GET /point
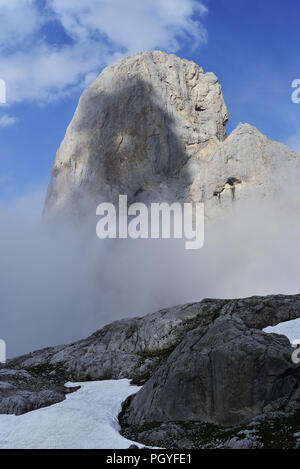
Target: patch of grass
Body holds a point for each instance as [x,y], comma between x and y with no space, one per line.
[44,371]
[268,434]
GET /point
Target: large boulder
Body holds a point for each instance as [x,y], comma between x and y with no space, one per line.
[224,374]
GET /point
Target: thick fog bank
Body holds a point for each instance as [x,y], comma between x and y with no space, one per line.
[59,282]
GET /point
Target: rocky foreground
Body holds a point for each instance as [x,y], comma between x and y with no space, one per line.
[211,377]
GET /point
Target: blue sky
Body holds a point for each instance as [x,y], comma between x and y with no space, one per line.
[51,49]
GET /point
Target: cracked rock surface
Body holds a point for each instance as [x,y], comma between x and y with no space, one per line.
[134,130]
[224,374]
[136,348]
[21,391]
[152,126]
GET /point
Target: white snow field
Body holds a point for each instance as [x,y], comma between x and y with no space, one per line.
[290,328]
[87,419]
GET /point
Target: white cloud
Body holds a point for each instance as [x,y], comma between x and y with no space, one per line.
[7,121]
[19,22]
[98,30]
[132,25]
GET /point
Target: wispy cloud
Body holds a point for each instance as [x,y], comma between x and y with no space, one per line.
[92,33]
[7,121]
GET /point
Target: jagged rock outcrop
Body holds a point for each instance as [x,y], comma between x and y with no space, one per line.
[136,348]
[152,126]
[21,391]
[247,166]
[224,374]
[129,348]
[269,431]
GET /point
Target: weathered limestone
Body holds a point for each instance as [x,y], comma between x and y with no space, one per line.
[136,348]
[247,166]
[21,391]
[152,126]
[224,374]
[134,130]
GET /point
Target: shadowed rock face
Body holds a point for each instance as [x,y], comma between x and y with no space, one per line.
[225,374]
[134,130]
[152,126]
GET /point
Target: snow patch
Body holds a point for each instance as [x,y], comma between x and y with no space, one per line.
[291,329]
[87,419]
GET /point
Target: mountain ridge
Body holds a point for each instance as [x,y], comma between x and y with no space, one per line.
[152,126]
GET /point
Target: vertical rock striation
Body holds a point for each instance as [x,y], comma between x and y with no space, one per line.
[134,130]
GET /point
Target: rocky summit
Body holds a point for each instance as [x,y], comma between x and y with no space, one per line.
[152,126]
[135,129]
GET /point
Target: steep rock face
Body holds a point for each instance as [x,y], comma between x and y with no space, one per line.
[246,166]
[225,374]
[135,128]
[152,126]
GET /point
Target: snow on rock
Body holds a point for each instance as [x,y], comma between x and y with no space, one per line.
[88,418]
[291,329]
